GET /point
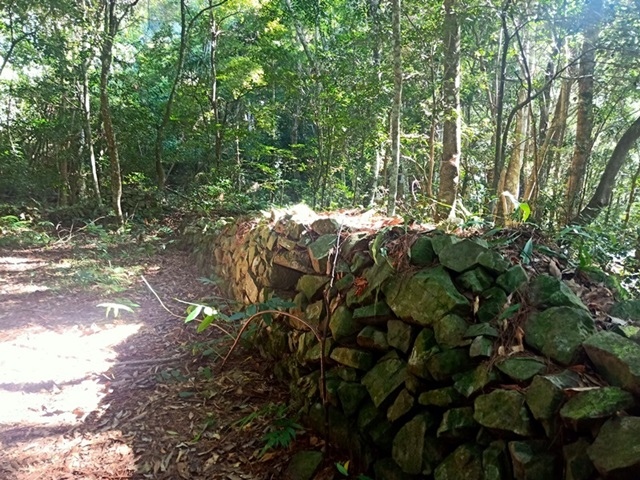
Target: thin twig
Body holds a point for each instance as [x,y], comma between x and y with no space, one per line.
[223,330]
[279,312]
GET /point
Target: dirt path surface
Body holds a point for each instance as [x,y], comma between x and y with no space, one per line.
[138,396]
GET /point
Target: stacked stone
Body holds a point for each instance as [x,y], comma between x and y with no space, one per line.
[426,374]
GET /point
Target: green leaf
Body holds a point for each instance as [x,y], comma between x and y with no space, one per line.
[527,252]
[208,320]
[193,314]
[186,394]
[509,312]
[343,469]
[525,211]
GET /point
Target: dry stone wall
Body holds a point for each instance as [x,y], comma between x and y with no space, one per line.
[438,357]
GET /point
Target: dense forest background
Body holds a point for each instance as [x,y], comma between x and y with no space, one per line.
[479,111]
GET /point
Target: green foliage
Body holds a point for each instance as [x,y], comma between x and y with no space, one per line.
[281,430]
[23,232]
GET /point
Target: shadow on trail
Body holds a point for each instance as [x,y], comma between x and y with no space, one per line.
[132,397]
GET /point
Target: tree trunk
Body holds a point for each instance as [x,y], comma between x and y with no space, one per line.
[162,127]
[509,187]
[584,122]
[396,107]
[451,128]
[553,140]
[106,56]
[500,84]
[602,195]
[632,195]
[88,151]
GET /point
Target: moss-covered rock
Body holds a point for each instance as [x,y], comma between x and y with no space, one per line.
[304,465]
[546,393]
[481,347]
[450,331]
[372,338]
[577,464]
[399,335]
[443,365]
[375,313]
[492,302]
[616,450]
[470,382]
[320,251]
[495,464]
[311,285]
[421,252]
[546,291]
[627,309]
[384,378]
[465,463]
[440,397]
[351,357]
[458,423]
[513,279]
[424,348]
[425,297]
[408,444]
[503,410]
[461,256]
[532,460]
[351,396]
[586,408]
[342,324]
[476,280]
[521,369]
[558,333]
[401,406]
[615,358]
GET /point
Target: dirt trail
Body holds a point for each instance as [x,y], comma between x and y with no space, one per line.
[84,396]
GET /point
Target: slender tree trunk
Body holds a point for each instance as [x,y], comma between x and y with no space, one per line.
[509,187]
[632,195]
[602,196]
[88,151]
[505,41]
[584,122]
[451,132]
[396,107]
[106,56]
[552,142]
[162,127]
[214,101]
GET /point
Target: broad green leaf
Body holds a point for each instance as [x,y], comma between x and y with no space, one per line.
[193,314]
[527,252]
[509,312]
[208,320]
[525,211]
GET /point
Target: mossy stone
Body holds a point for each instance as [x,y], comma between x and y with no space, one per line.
[503,410]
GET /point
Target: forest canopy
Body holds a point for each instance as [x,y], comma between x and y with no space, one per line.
[487,110]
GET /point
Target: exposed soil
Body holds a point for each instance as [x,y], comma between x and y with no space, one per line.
[138,396]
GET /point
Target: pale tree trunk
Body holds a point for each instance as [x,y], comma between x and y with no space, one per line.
[554,139]
[396,107]
[584,121]
[602,196]
[87,146]
[509,186]
[451,128]
[88,151]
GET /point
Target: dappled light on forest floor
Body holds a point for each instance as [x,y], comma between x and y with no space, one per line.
[37,364]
